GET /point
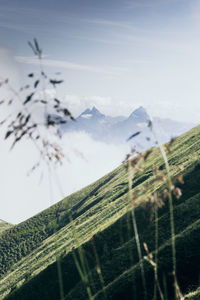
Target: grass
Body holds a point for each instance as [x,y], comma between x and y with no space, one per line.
[101,212]
[195,295]
[4,226]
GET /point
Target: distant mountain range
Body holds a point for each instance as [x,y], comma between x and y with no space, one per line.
[118,129]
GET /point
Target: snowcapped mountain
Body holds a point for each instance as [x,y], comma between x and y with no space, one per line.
[118,129]
[97,117]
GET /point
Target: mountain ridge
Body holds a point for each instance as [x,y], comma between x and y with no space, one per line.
[116,130]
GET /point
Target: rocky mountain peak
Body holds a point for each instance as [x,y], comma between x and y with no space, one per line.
[139,113]
[91,112]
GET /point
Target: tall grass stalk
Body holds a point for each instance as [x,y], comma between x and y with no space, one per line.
[82,265]
[157,285]
[171,211]
[156,280]
[165,286]
[156,251]
[58,262]
[83,275]
[59,270]
[130,196]
[128,220]
[99,268]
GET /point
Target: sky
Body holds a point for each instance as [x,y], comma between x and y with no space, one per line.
[114,54]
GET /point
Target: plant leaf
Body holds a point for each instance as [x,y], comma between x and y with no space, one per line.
[28,98]
[36,83]
[8,133]
[133,135]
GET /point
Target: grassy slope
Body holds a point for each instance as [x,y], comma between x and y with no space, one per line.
[4,226]
[100,210]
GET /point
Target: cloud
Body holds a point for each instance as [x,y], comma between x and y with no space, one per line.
[69,65]
[173,109]
[9,67]
[9,70]
[146,4]
[97,40]
[86,161]
[195,11]
[107,105]
[111,23]
[138,61]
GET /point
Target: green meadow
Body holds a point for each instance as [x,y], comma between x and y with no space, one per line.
[4,225]
[85,246]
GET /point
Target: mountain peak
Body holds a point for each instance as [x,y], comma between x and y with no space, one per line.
[140,112]
[94,110]
[91,112]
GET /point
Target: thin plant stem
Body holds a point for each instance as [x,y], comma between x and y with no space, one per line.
[60,278]
[171,211]
[156,250]
[156,257]
[81,269]
[165,287]
[59,271]
[99,268]
[130,175]
[82,266]
[129,235]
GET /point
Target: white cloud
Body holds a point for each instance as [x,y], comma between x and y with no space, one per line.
[185,111]
[163,108]
[107,105]
[9,67]
[98,40]
[22,196]
[69,65]
[195,11]
[9,70]
[175,110]
[148,4]
[137,61]
[15,27]
[105,22]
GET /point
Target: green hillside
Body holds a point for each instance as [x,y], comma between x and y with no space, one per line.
[102,214]
[4,226]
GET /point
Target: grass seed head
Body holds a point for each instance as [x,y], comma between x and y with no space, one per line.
[177,192]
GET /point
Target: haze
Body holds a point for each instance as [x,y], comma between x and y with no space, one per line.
[114,54]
